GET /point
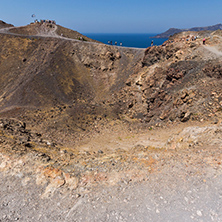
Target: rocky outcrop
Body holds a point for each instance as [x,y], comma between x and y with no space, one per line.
[213,70]
[174,85]
[158,53]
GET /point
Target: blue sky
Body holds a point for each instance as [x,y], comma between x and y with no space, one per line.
[122,16]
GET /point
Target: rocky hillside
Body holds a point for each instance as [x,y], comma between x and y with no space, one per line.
[178,81]
[55,77]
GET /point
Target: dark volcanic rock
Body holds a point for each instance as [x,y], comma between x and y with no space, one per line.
[213,70]
[157,53]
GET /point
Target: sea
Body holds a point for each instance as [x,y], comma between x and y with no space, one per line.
[127,40]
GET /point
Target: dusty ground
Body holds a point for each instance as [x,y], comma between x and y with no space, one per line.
[170,174]
[90,132]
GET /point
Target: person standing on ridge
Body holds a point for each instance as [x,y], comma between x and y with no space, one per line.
[151,43]
[204,41]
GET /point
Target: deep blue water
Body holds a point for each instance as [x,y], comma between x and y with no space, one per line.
[127,40]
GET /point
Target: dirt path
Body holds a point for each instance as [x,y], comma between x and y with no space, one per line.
[213,50]
[6,30]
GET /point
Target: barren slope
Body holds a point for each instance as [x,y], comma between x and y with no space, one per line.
[60,80]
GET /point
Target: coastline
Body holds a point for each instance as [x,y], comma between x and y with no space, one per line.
[137,40]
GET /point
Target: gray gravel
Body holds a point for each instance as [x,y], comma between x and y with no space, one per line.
[165,196]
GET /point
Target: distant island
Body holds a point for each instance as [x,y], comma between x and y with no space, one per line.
[173,31]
